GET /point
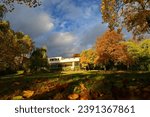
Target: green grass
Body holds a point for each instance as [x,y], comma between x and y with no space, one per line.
[99,85]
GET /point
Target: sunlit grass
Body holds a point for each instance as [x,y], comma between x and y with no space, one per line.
[20,72]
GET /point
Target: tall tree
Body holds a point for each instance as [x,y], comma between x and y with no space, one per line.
[13,47]
[133,14]
[39,59]
[110,50]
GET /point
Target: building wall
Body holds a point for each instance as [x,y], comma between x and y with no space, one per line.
[61,63]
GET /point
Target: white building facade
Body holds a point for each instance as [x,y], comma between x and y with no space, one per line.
[64,62]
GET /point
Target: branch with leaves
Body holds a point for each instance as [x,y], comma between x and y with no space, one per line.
[8,5]
[132,14]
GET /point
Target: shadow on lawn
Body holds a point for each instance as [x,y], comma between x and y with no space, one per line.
[117,85]
[59,92]
[113,86]
[127,86]
[15,86]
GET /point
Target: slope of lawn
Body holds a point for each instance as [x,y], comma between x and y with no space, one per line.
[90,85]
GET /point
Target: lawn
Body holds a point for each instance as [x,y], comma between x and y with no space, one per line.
[91,85]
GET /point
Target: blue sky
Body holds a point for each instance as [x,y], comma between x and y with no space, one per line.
[65,27]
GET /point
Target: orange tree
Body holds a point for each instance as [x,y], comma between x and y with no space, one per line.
[111,52]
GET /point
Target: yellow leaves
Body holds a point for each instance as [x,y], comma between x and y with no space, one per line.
[87,56]
[103,7]
[26,39]
[28,93]
[139,50]
[17,98]
[73,96]
[133,14]
[13,44]
[82,95]
[82,87]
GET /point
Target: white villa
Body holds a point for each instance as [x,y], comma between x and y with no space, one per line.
[64,62]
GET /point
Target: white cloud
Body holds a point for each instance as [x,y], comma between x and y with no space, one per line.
[34,22]
[61,38]
[69,9]
[60,44]
[76,26]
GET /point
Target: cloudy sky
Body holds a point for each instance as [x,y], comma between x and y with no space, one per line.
[65,27]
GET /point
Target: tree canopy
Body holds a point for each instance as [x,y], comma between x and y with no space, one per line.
[39,59]
[140,53]
[110,50]
[132,14]
[14,46]
[87,58]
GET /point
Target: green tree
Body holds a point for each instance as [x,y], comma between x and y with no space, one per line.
[87,58]
[145,56]
[39,59]
[132,14]
[140,52]
[13,47]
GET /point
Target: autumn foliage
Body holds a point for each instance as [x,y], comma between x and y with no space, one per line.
[113,52]
[87,58]
[14,46]
[110,49]
[134,15]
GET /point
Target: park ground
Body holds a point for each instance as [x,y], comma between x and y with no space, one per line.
[79,85]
